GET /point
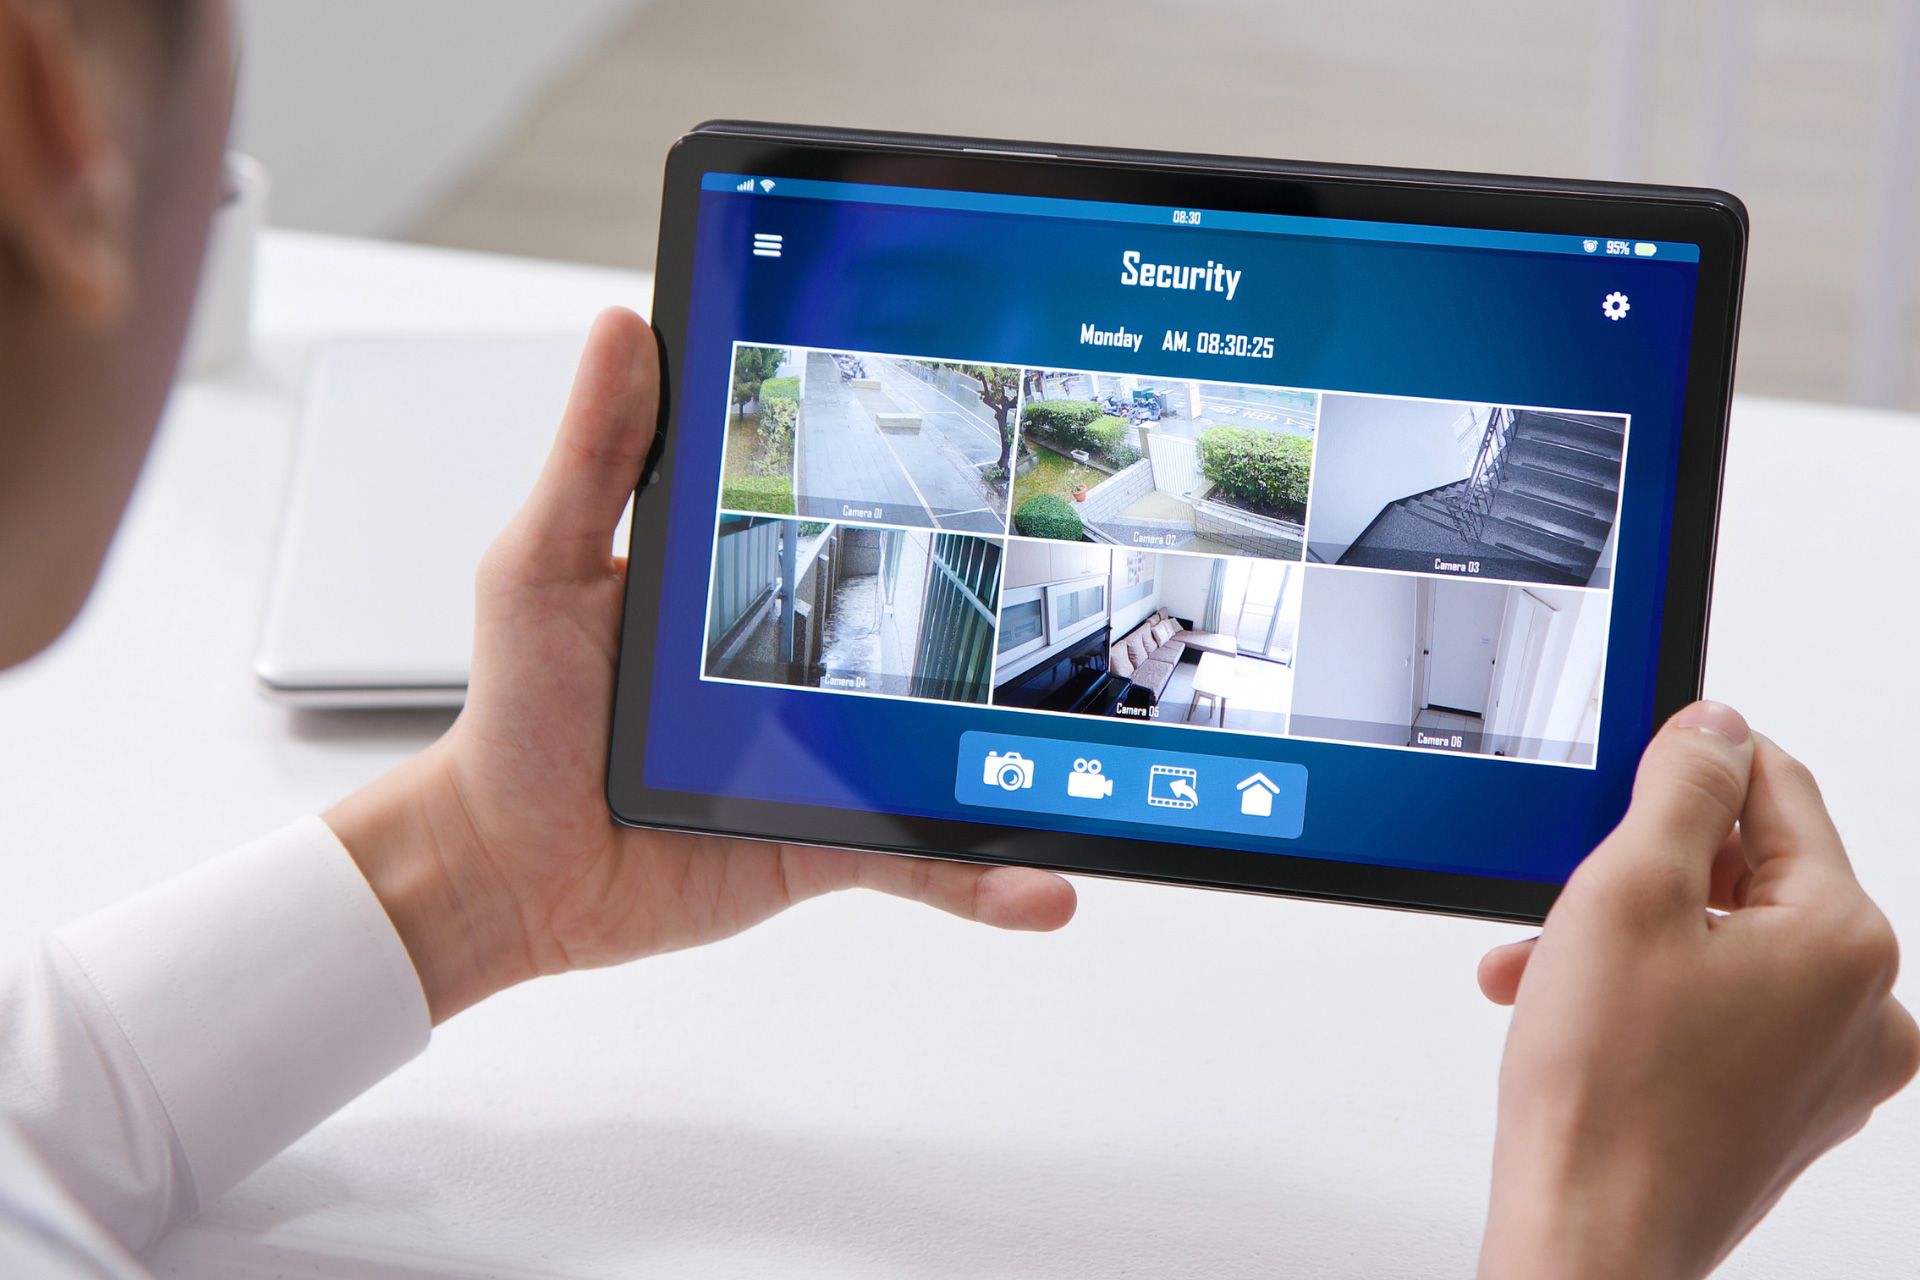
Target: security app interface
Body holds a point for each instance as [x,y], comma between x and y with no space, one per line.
[1311,536]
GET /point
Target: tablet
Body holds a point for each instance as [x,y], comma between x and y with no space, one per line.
[1305,529]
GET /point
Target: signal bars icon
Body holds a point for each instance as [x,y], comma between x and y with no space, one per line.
[765,245]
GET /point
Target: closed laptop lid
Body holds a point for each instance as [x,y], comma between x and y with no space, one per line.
[412,454]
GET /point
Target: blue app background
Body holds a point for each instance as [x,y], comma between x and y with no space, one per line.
[1347,315]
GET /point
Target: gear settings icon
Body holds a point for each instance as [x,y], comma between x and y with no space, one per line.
[1616,306]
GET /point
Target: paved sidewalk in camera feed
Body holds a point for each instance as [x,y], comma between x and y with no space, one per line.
[850,469]
[843,458]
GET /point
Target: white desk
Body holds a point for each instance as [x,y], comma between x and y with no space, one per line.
[1181,1084]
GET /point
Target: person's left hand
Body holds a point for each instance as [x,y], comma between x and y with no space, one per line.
[493,850]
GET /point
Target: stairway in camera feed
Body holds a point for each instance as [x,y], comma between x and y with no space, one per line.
[1553,503]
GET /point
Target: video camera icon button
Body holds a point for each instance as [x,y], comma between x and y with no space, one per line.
[1087,782]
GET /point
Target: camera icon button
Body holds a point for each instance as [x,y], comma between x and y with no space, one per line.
[1008,770]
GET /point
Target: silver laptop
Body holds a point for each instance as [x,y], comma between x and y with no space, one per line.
[412,453]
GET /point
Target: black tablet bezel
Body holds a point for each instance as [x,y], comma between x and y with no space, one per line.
[1713,220]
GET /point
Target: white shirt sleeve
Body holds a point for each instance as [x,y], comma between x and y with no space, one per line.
[156,1053]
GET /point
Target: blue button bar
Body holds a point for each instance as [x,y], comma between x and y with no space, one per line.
[1202,219]
[1131,784]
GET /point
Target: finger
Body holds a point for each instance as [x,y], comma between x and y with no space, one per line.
[1789,837]
[1005,897]
[1899,1050]
[1502,968]
[600,448]
[1688,794]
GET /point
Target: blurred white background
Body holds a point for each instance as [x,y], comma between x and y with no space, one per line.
[540,128]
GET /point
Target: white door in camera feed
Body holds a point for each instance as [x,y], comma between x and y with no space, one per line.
[1521,648]
[1463,629]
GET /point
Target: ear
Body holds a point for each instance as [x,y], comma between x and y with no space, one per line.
[66,189]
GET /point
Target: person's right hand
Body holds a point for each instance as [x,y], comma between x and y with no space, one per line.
[1669,1072]
[493,851]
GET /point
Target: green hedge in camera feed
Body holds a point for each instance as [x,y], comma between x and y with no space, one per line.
[772,494]
[778,418]
[1054,418]
[1079,424]
[1267,470]
[1047,515]
[1104,435]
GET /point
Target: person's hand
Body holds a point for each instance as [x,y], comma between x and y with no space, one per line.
[493,851]
[1670,1071]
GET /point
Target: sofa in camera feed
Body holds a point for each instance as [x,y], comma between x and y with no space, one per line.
[1148,655]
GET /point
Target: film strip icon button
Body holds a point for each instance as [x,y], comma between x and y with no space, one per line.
[1172,786]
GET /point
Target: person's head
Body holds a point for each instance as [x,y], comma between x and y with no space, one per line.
[113,117]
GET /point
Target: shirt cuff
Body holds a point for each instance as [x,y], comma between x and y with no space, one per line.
[262,991]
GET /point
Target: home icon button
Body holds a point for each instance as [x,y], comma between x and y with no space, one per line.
[1256,796]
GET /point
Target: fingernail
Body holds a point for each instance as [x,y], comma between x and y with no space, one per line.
[1715,717]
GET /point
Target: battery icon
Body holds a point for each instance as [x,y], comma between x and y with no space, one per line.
[1642,249]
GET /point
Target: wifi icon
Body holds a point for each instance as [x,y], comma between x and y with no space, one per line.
[766,184]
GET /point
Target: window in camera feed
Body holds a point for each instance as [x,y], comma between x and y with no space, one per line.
[853,608]
[1371,570]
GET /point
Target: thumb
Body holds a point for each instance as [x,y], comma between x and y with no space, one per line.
[1790,842]
[1689,793]
[599,451]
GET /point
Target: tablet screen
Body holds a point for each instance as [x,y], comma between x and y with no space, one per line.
[1275,533]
